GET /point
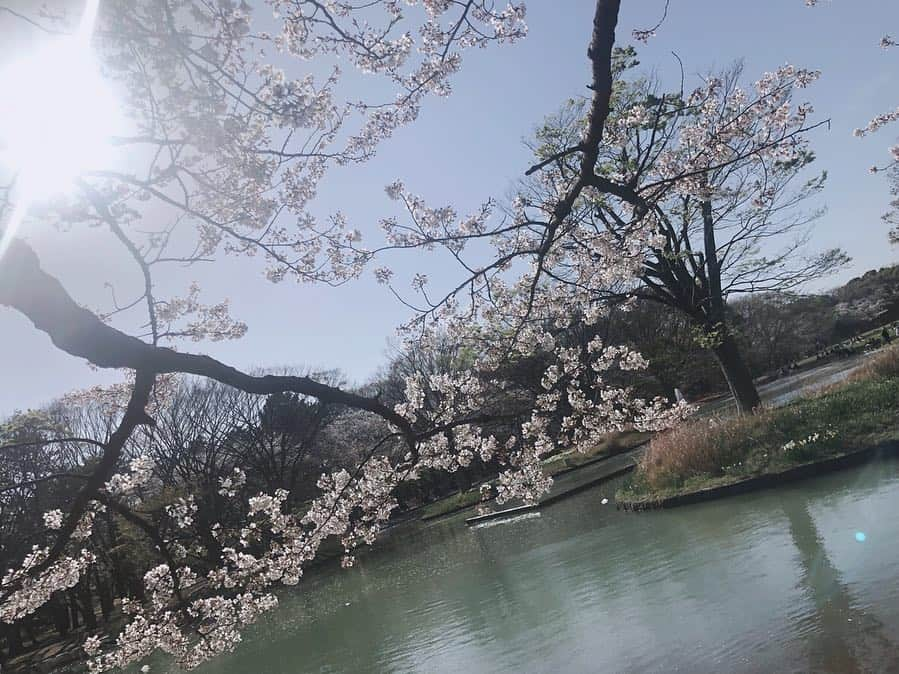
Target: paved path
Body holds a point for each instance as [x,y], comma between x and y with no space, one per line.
[781,391]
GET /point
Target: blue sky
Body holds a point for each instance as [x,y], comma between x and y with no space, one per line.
[468,148]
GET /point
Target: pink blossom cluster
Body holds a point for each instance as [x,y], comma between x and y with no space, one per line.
[23,593]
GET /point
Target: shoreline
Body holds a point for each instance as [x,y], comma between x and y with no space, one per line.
[888,449]
[841,425]
[707,406]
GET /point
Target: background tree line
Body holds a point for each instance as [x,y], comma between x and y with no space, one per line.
[774,331]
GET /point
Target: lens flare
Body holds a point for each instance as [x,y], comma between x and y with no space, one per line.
[12,226]
[56,118]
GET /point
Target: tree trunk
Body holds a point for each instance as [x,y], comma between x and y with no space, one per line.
[738,377]
[60,614]
[726,351]
[73,609]
[28,628]
[13,639]
[86,603]
[104,592]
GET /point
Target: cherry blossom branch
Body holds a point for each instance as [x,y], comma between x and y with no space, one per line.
[561,154]
[52,441]
[134,416]
[102,209]
[645,34]
[42,299]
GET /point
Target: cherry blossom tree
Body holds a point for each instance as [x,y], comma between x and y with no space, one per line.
[731,224]
[892,167]
[230,149]
[887,42]
[640,217]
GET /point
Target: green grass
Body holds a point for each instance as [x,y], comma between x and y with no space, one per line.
[450,504]
[613,444]
[855,415]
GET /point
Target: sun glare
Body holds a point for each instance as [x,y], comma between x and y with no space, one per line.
[56,114]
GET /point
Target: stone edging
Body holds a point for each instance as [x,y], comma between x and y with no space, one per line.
[763,481]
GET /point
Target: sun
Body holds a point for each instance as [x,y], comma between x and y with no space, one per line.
[56,114]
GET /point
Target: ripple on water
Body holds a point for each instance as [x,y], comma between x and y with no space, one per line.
[771,581]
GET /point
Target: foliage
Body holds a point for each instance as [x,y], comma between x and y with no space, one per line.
[736,227]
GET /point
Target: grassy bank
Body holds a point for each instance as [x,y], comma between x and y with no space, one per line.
[558,463]
[703,454]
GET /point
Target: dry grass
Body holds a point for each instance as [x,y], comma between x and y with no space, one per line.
[884,363]
[852,414]
[702,447]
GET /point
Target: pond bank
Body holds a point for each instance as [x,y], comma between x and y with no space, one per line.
[608,470]
[844,425]
[742,486]
[574,472]
[572,466]
[776,580]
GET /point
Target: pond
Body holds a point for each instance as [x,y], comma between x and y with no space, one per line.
[801,578]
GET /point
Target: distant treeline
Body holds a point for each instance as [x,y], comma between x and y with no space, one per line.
[774,331]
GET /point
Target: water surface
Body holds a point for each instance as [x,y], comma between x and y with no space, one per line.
[775,581]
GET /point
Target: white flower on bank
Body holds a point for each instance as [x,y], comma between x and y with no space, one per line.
[812,438]
[92,645]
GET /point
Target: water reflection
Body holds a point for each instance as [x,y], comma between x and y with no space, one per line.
[842,636]
[766,582]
